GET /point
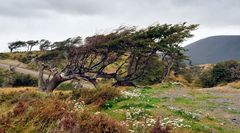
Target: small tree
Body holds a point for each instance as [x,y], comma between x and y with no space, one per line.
[15,45]
[66,44]
[30,44]
[44,45]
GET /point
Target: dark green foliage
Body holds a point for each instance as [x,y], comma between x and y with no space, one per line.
[53,55]
[4,56]
[66,86]
[110,103]
[222,72]
[152,72]
[1,77]
[27,58]
[23,80]
[8,78]
[206,79]
[16,45]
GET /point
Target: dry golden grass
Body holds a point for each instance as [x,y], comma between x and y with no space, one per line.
[18,89]
[235,84]
[222,89]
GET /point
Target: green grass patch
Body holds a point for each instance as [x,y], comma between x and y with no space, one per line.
[183,100]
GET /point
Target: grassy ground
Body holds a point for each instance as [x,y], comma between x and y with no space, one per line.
[186,110]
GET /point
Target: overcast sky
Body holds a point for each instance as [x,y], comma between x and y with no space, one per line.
[59,19]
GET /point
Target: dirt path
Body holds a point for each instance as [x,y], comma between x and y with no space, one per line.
[21,70]
[24,70]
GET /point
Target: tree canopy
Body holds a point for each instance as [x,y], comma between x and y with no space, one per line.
[15,45]
[127,51]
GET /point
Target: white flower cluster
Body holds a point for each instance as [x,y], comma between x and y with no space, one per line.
[138,119]
[192,115]
[174,122]
[136,113]
[131,94]
[79,105]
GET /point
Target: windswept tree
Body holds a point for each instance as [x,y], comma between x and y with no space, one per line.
[126,51]
[64,45]
[30,44]
[44,45]
[15,45]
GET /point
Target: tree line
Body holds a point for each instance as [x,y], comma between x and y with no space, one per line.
[44,44]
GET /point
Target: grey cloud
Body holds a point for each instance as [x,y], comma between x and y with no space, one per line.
[60,19]
[207,12]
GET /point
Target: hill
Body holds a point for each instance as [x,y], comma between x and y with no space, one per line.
[214,49]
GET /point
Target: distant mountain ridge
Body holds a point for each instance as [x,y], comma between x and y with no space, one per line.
[214,49]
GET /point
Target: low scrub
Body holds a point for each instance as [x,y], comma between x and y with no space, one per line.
[50,114]
[221,73]
[8,78]
[96,96]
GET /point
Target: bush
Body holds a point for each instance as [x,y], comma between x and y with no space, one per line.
[187,75]
[23,80]
[206,79]
[4,56]
[223,72]
[103,95]
[99,97]
[8,78]
[1,78]
[83,94]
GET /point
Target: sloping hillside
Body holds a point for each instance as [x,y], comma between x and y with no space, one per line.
[214,49]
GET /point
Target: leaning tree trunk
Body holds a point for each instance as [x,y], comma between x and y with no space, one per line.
[50,83]
[166,72]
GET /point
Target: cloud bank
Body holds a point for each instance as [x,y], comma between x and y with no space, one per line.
[60,19]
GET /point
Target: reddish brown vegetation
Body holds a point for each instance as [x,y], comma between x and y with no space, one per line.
[158,128]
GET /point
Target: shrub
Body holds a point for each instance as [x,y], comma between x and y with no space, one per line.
[24,80]
[83,94]
[20,108]
[222,72]
[4,56]
[1,78]
[206,79]
[187,75]
[8,78]
[104,94]
[99,96]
